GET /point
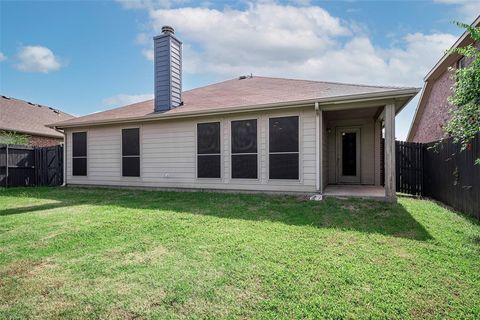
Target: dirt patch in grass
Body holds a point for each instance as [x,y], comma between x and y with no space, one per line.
[27,268]
[153,255]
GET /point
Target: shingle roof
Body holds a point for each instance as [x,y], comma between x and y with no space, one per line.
[25,117]
[235,93]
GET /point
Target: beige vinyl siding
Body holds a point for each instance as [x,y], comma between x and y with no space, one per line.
[168,155]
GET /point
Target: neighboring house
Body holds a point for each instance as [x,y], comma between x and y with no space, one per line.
[250,134]
[432,112]
[30,119]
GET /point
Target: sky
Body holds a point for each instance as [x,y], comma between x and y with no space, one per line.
[88,56]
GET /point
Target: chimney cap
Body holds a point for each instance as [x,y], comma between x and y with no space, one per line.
[168,30]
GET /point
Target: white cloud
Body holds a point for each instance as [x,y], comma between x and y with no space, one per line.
[468,9]
[37,59]
[148,53]
[301,42]
[2,57]
[125,99]
[267,38]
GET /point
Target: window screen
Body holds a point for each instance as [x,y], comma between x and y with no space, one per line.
[208,150]
[131,152]
[244,149]
[79,153]
[283,148]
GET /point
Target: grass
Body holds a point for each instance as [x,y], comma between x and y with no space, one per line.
[99,253]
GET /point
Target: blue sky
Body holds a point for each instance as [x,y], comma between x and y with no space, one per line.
[87,56]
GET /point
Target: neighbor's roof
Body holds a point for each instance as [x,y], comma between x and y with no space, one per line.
[29,118]
[438,69]
[235,94]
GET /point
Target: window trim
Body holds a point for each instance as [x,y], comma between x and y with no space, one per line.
[258,153]
[81,157]
[461,63]
[140,152]
[300,148]
[221,154]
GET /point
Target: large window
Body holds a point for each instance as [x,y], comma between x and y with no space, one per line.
[283,148]
[131,152]
[244,149]
[79,153]
[208,150]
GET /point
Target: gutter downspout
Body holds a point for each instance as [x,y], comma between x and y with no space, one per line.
[317,149]
[64,184]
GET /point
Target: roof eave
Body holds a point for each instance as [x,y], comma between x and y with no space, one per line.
[391,94]
[464,40]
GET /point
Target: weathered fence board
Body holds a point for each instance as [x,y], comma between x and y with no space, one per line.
[442,171]
[29,166]
[451,175]
[409,167]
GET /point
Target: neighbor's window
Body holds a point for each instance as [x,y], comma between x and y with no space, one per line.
[131,152]
[244,149]
[208,150]
[461,63]
[79,153]
[283,148]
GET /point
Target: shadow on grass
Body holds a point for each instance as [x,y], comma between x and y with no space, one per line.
[354,214]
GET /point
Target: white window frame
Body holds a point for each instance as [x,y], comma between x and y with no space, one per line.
[250,153]
[299,152]
[81,157]
[221,154]
[139,127]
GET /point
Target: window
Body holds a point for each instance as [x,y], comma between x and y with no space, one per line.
[283,148]
[461,63]
[244,149]
[131,152]
[79,153]
[208,150]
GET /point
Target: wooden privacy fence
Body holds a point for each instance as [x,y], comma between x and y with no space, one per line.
[29,166]
[441,171]
[409,167]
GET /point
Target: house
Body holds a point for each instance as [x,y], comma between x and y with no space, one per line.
[30,120]
[432,111]
[246,134]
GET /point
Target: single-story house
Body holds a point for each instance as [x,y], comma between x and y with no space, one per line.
[30,120]
[432,111]
[246,134]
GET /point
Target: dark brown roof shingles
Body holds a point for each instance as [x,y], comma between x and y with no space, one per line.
[23,117]
[234,93]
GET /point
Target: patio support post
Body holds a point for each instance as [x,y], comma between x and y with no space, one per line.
[318,149]
[390,192]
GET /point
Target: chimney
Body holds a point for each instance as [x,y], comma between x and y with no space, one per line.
[168,70]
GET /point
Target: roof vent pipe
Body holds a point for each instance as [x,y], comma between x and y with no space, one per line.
[167,70]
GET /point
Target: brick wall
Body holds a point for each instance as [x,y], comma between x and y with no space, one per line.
[39,141]
[436,112]
[435,115]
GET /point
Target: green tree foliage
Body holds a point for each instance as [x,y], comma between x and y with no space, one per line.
[8,137]
[464,123]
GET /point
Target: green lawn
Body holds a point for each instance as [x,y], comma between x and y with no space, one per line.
[99,253]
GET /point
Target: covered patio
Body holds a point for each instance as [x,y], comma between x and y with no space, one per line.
[353,161]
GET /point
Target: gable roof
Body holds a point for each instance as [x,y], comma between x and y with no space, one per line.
[236,94]
[29,118]
[438,69]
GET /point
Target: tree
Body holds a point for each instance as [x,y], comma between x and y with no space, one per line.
[464,123]
[8,137]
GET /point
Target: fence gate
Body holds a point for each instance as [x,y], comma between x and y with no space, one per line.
[49,167]
[409,167]
[29,166]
